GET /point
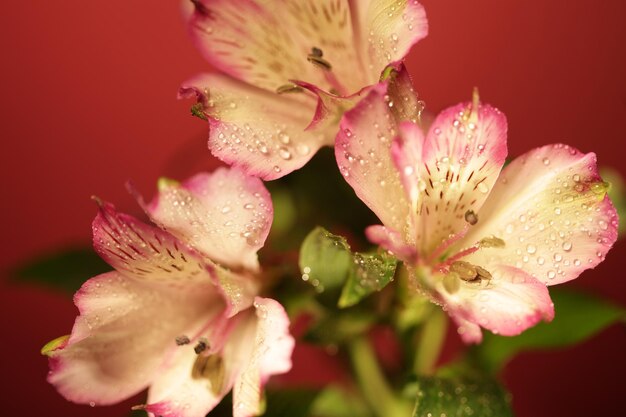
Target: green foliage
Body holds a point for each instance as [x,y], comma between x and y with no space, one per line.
[338,402]
[325,259]
[341,326]
[65,270]
[327,263]
[460,397]
[369,273]
[578,317]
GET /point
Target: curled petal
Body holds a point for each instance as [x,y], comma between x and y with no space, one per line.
[551,210]
[362,153]
[509,303]
[225,215]
[270,355]
[144,252]
[112,353]
[261,132]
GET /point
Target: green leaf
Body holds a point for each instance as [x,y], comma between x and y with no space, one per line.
[578,317]
[460,397]
[369,273]
[66,270]
[339,402]
[341,326]
[324,259]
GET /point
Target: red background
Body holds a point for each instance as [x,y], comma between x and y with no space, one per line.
[88,101]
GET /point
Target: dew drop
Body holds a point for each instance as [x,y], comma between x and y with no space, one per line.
[284,153]
[482,187]
[546,161]
[551,274]
[531,249]
[567,246]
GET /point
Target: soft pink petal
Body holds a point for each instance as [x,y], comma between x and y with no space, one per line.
[141,251]
[511,302]
[270,355]
[388,29]
[460,160]
[550,208]
[261,132]
[125,330]
[266,43]
[225,215]
[406,153]
[362,153]
[469,332]
[392,241]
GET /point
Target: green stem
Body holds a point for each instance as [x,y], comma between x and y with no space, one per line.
[430,341]
[373,383]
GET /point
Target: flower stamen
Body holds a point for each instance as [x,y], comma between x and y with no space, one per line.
[201,346]
[316,58]
[182,340]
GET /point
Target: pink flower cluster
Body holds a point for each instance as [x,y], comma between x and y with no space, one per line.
[182,315]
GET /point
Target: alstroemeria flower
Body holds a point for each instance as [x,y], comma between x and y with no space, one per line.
[265,49]
[179,313]
[482,243]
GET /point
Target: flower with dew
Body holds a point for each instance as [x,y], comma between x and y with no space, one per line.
[482,241]
[179,313]
[288,68]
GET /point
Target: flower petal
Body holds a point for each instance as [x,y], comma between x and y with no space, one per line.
[125,329]
[460,160]
[550,208]
[362,153]
[263,133]
[225,215]
[191,386]
[144,252]
[392,241]
[389,28]
[270,355]
[266,43]
[509,303]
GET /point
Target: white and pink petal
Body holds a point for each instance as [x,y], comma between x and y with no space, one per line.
[225,215]
[142,251]
[507,304]
[261,132]
[266,43]
[388,30]
[125,329]
[362,153]
[551,210]
[270,354]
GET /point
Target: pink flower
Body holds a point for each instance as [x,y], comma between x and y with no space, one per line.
[482,241]
[179,313]
[324,52]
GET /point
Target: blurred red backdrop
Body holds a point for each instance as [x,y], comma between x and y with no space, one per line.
[88,102]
